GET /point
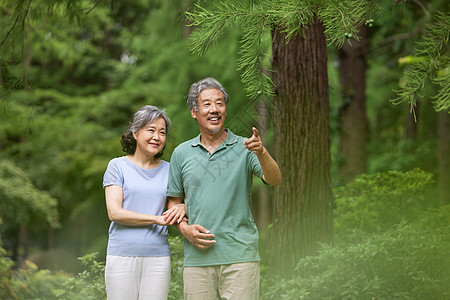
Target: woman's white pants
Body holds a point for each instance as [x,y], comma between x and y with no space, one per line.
[132,278]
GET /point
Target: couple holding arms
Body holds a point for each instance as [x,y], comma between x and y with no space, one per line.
[208,190]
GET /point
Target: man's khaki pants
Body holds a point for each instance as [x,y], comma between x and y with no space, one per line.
[232,282]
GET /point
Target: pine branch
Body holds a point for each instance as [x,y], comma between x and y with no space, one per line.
[257,18]
[95,5]
[290,18]
[441,100]
[211,23]
[22,15]
[432,62]
[342,19]
[251,60]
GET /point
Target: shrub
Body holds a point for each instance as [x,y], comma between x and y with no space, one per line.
[27,282]
[374,203]
[89,284]
[177,257]
[410,261]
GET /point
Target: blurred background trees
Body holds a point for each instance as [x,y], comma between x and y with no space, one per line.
[72,73]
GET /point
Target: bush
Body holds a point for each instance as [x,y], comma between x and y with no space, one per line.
[28,282]
[89,284]
[177,257]
[410,261]
[374,203]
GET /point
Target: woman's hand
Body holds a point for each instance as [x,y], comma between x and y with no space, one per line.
[175,214]
[161,220]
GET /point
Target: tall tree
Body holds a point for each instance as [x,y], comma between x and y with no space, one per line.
[354,129]
[303,202]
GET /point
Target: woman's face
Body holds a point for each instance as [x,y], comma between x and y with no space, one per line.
[151,138]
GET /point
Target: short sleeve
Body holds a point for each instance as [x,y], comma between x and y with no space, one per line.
[253,163]
[175,186]
[113,174]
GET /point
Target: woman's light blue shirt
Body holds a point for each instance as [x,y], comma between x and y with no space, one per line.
[144,191]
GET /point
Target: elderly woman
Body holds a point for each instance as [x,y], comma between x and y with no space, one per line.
[138,255]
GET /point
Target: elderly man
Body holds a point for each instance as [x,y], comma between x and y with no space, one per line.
[212,174]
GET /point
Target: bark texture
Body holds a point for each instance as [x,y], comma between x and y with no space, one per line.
[303,201]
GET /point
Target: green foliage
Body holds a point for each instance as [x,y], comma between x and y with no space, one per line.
[32,283]
[374,203]
[432,62]
[177,261]
[5,267]
[27,282]
[340,18]
[88,284]
[21,20]
[410,261]
[21,202]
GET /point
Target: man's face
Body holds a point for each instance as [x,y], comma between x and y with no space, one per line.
[211,111]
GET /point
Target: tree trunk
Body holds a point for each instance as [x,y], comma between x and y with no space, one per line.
[444,157]
[303,201]
[354,124]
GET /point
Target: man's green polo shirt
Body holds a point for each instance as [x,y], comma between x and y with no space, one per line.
[217,192]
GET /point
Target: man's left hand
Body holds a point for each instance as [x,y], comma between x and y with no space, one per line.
[254,143]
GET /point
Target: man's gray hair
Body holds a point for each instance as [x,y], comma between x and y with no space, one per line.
[198,87]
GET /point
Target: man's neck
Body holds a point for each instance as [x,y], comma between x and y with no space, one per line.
[211,140]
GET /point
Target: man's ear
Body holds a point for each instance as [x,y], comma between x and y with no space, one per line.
[193,113]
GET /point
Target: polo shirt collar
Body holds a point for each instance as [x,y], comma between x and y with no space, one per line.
[229,140]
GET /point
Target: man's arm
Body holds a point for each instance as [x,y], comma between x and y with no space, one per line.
[196,234]
[271,171]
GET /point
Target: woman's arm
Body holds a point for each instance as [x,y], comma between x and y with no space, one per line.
[114,201]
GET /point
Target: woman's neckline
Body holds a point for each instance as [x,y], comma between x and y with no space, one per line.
[127,157]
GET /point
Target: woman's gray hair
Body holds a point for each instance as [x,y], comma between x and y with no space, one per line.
[198,87]
[142,117]
[146,114]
